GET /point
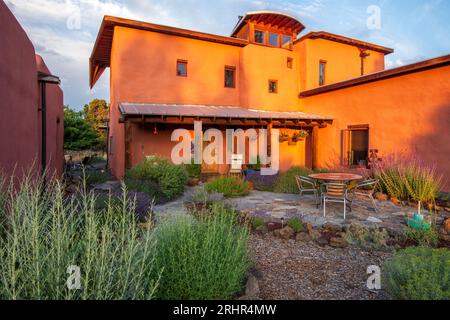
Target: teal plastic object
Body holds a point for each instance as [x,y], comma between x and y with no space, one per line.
[419,225]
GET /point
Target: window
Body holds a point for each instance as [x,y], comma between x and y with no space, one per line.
[182,68]
[260,36]
[290,62]
[286,41]
[273,86]
[273,39]
[230,77]
[322,67]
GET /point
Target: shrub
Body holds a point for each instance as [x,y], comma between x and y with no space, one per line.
[230,187]
[44,234]
[423,237]
[149,187]
[296,225]
[286,182]
[201,196]
[193,170]
[257,222]
[418,274]
[97,177]
[262,183]
[170,178]
[409,181]
[205,258]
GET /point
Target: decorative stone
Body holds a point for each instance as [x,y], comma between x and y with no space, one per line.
[315,234]
[303,237]
[338,242]
[308,228]
[278,215]
[272,226]
[446,225]
[332,227]
[252,287]
[396,201]
[261,229]
[323,241]
[381,196]
[286,233]
[374,220]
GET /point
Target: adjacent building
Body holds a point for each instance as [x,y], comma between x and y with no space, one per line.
[267,74]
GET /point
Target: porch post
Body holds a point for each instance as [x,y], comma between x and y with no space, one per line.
[128,138]
[269,139]
[314,142]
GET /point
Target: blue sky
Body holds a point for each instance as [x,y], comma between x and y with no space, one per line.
[64,31]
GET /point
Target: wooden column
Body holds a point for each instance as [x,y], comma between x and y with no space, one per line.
[269,139]
[128,140]
[314,146]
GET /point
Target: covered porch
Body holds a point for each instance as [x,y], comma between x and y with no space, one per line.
[148,129]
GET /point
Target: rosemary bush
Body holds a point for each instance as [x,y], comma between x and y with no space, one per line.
[203,258]
[43,233]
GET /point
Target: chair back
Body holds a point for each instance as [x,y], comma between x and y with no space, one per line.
[337,190]
[368,185]
[305,182]
[237,161]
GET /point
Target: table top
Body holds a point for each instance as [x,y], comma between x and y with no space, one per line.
[336,176]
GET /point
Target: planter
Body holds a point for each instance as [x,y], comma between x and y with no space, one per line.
[417,221]
[283,139]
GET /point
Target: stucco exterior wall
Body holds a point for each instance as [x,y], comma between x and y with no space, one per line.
[408,114]
[342,61]
[20,124]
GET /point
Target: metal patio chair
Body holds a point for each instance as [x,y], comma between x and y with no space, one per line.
[308,185]
[335,192]
[365,189]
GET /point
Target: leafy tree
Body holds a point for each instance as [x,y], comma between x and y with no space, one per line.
[78,133]
[96,113]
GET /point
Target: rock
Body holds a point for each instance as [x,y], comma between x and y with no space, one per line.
[338,242]
[272,226]
[396,201]
[315,234]
[262,229]
[381,196]
[332,227]
[252,287]
[108,186]
[308,228]
[303,237]
[446,225]
[374,220]
[323,241]
[286,233]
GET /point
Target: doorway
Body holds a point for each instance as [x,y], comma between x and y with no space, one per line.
[355,145]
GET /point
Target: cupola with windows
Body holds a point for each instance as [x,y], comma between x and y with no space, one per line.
[268,28]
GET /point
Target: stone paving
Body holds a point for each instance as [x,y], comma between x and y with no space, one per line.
[275,207]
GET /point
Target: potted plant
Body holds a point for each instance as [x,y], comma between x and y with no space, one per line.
[300,135]
[284,137]
[253,167]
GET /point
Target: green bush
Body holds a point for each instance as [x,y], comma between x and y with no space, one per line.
[44,234]
[296,225]
[423,237]
[286,182]
[193,170]
[201,259]
[97,177]
[257,222]
[149,187]
[230,187]
[418,274]
[170,178]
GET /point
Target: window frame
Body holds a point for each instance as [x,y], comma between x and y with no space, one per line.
[324,64]
[282,45]
[268,39]
[276,86]
[264,36]
[290,63]
[230,68]
[185,63]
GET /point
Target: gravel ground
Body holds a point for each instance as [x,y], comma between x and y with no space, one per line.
[290,270]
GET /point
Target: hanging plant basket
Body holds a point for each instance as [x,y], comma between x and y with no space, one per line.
[292,141]
[284,137]
[300,135]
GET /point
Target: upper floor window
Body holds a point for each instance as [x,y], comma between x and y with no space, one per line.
[182,68]
[230,77]
[273,39]
[286,41]
[322,68]
[273,86]
[260,36]
[290,62]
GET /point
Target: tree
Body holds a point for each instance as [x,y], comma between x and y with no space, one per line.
[78,133]
[96,113]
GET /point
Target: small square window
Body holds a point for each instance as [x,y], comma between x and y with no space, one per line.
[290,63]
[273,39]
[230,77]
[260,36]
[273,86]
[182,68]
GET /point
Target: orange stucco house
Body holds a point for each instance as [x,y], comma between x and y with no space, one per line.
[268,75]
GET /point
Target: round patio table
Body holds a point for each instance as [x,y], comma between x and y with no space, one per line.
[336,177]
